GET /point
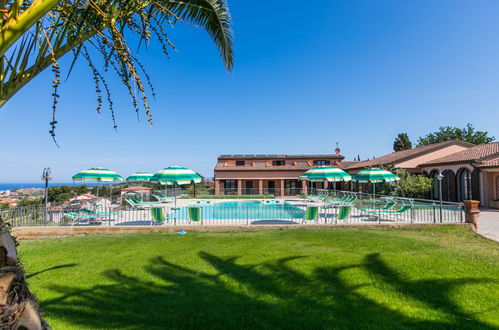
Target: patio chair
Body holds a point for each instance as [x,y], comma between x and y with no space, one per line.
[343,213]
[157,215]
[311,213]
[194,214]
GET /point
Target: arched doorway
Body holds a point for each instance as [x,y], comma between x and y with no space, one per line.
[464,181]
[449,186]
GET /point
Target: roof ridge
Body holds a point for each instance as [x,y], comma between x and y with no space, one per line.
[413,152]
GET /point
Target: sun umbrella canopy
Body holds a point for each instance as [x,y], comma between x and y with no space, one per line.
[176,175]
[323,173]
[140,176]
[375,175]
[97,174]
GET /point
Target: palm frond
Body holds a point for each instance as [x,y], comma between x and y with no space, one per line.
[102,24]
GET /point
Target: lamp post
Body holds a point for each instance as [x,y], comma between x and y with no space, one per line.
[439,178]
[46,176]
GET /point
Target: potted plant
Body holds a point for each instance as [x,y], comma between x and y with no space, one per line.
[494,203]
[471,205]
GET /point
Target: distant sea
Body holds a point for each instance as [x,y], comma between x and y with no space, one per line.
[12,186]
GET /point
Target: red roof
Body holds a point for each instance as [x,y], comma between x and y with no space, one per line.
[400,156]
[135,188]
[492,162]
[477,153]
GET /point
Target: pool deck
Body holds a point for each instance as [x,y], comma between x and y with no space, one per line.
[29,233]
[488,223]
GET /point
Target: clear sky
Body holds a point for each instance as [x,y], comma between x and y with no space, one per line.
[306,76]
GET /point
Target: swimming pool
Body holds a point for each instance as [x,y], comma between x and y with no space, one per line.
[253,210]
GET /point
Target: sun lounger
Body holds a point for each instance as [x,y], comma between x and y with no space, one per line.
[389,205]
[319,198]
[163,199]
[392,213]
[82,218]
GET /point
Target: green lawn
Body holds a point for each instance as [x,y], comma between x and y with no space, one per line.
[427,278]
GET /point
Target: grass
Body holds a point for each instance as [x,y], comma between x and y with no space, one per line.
[426,278]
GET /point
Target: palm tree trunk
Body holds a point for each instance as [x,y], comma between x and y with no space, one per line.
[18,306]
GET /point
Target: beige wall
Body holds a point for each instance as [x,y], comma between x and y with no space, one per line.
[415,162]
[255,175]
[489,188]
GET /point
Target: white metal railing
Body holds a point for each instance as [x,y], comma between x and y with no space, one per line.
[335,207]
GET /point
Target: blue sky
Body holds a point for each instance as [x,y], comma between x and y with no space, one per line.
[305,77]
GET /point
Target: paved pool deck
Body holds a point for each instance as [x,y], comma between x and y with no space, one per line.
[488,223]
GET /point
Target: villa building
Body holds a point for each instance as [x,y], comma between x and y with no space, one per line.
[469,174]
[469,171]
[410,159]
[268,174]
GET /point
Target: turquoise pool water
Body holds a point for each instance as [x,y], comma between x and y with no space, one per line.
[253,210]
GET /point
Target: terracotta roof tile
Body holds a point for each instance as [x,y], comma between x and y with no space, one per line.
[475,153]
[398,156]
[347,163]
[493,162]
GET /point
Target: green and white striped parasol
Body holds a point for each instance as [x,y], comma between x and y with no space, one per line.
[97,174]
[323,173]
[139,176]
[176,175]
[375,175]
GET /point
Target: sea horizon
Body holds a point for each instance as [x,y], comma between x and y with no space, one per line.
[27,185]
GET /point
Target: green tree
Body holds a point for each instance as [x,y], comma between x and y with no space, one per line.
[412,185]
[82,189]
[35,34]
[447,133]
[409,185]
[402,142]
[28,202]
[63,197]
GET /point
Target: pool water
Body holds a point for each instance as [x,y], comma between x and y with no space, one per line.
[253,210]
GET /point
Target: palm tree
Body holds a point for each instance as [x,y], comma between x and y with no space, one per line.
[35,34]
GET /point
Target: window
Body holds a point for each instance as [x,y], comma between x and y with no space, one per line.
[278,163]
[239,162]
[230,187]
[322,162]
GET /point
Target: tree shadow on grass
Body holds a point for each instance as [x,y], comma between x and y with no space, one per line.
[264,295]
[50,269]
